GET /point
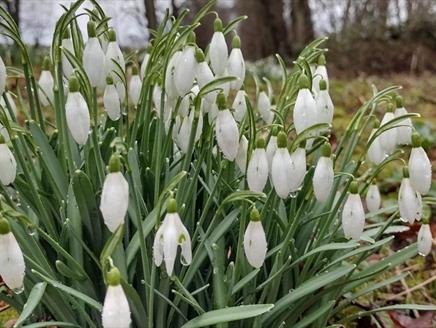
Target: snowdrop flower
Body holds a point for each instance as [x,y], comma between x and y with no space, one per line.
[113,57]
[12,266]
[305,106]
[2,76]
[373,198]
[204,75]
[11,104]
[77,113]
[226,130]
[116,310]
[114,196]
[255,245]
[67,44]
[236,64]
[171,234]
[324,174]
[425,238]
[376,153]
[271,147]
[241,156]
[388,139]
[409,200]
[135,86]
[419,167]
[46,84]
[8,165]
[144,64]
[218,51]
[353,215]
[264,107]
[298,166]
[281,167]
[257,171]
[184,71]
[239,106]
[404,130]
[184,128]
[93,58]
[324,104]
[319,74]
[111,100]
[170,86]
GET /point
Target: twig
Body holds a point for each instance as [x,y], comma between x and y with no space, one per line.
[410,290]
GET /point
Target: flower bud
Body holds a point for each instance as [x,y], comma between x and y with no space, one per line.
[218,51]
[114,55]
[241,156]
[320,74]
[271,147]
[324,174]
[227,133]
[305,109]
[67,44]
[239,106]
[324,105]
[135,86]
[8,165]
[204,76]
[388,139]
[46,84]
[409,200]
[419,167]
[236,65]
[281,168]
[298,166]
[184,71]
[257,171]
[404,129]
[94,58]
[264,107]
[111,100]
[255,245]
[425,239]
[373,198]
[375,153]
[353,215]
[77,114]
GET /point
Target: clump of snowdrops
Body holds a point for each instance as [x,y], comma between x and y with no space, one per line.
[178,202]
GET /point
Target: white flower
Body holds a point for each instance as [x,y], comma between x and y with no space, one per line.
[204,75]
[353,215]
[305,106]
[324,105]
[257,171]
[2,76]
[111,100]
[144,64]
[113,57]
[183,130]
[373,198]
[419,167]
[94,58]
[171,234]
[425,240]
[271,147]
[184,71]
[218,51]
[236,64]
[320,73]
[404,130]
[239,106]
[77,113]
[67,44]
[375,153]
[255,245]
[264,107]
[8,165]
[170,86]
[227,134]
[388,139]
[281,168]
[114,196]
[298,164]
[241,156]
[116,310]
[46,83]
[409,200]
[324,174]
[135,87]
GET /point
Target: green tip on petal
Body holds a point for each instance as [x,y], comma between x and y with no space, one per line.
[302,144]
[376,123]
[282,140]
[354,187]
[109,80]
[236,42]
[390,108]
[5,228]
[326,150]
[66,34]
[399,101]
[221,101]
[135,70]
[2,139]
[426,220]
[114,163]
[199,55]
[260,143]
[275,131]
[254,215]
[172,206]
[321,60]
[46,63]
[73,84]
[92,33]
[303,82]
[112,36]
[416,140]
[113,277]
[322,84]
[405,172]
[192,37]
[218,25]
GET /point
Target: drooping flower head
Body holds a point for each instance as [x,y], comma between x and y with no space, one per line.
[77,113]
[255,245]
[409,200]
[94,58]
[388,139]
[323,176]
[373,198]
[257,171]
[420,169]
[135,86]
[353,215]
[226,130]
[8,165]
[425,238]
[404,130]
[218,51]
[111,100]
[236,64]
[281,167]
[46,83]
[305,106]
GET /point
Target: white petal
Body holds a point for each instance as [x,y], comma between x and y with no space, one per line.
[135,89]
[404,130]
[67,68]
[425,240]
[236,67]
[184,72]
[12,267]
[271,149]
[353,217]
[373,198]
[78,119]
[114,200]
[170,86]
[375,154]
[227,134]
[170,242]
[255,245]
[8,165]
[388,139]
[158,246]
[204,75]
[420,170]
[264,107]
[144,64]
[257,171]
[46,83]
[298,165]
[93,62]
[184,240]
[239,106]
[281,171]
[409,202]
[218,53]
[111,102]
[324,107]
[116,311]
[320,73]
[304,110]
[2,76]
[323,178]
[241,157]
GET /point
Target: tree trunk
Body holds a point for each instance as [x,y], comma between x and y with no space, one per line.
[302,26]
[150,14]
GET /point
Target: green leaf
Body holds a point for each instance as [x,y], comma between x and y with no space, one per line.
[51,324]
[32,302]
[309,318]
[110,247]
[228,314]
